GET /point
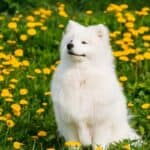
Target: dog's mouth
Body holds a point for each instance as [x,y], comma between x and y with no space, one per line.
[74,54]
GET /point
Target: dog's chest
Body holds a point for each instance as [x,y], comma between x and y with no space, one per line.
[80,90]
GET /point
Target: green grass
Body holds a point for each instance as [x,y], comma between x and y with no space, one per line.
[42,51]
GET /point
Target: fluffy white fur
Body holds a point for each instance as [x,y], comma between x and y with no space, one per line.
[89,104]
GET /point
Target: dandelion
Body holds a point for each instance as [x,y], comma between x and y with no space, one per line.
[130,104]
[19,52]
[38,71]
[145,106]
[46,71]
[9,100]
[40,111]
[25,63]
[127,147]
[31,32]
[44,104]
[124,58]
[148,117]
[44,28]
[1,78]
[139,57]
[13,80]
[23,91]
[147,55]
[89,12]
[47,93]
[35,137]
[72,144]
[6,93]
[146,37]
[12,25]
[17,145]
[15,107]
[10,138]
[23,37]
[10,123]
[1,48]
[123,78]
[42,133]
[61,26]
[23,102]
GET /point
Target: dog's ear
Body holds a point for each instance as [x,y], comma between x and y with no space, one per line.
[101,30]
[71,26]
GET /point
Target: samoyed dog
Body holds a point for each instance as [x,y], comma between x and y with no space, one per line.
[89,103]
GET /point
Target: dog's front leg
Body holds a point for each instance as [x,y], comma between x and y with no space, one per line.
[84,134]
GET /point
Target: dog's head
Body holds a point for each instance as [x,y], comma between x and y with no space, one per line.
[85,44]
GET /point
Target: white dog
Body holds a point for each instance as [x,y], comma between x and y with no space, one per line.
[89,104]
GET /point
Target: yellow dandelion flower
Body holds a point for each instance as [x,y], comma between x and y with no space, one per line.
[1,36]
[12,42]
[148,117]
[23,91]
[19,52]
[23,102]
[63,13]
[16,107]
[146,37]
[30,77]
[17,145]
[123,58]
[12,86]
[146,44]
[9,100]
[139,57]
[37,70]
[30,18]
[1,78]
[42,133]
[13,80]
[6,93]
[72,144]
[1,48]
[53,67]
[129,24]
[127,147]
[8,116]
[44,104]
[10,123]
[35,137]
[130,104]
[145,106]
[31,32]
[25,63]
[10,138]
[23,37]
[147,55]
[40,111]
[12,25]
[3,118]
[46,71]
[47,93]
[61,26]
[123,78]
[43,28]
[89,12]
[99,148]
[121,19]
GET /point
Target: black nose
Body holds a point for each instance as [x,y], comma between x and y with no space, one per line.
[70,46]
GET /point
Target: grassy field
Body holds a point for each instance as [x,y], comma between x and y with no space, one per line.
[30,34]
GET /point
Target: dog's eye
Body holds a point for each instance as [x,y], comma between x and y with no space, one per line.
[84,42]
